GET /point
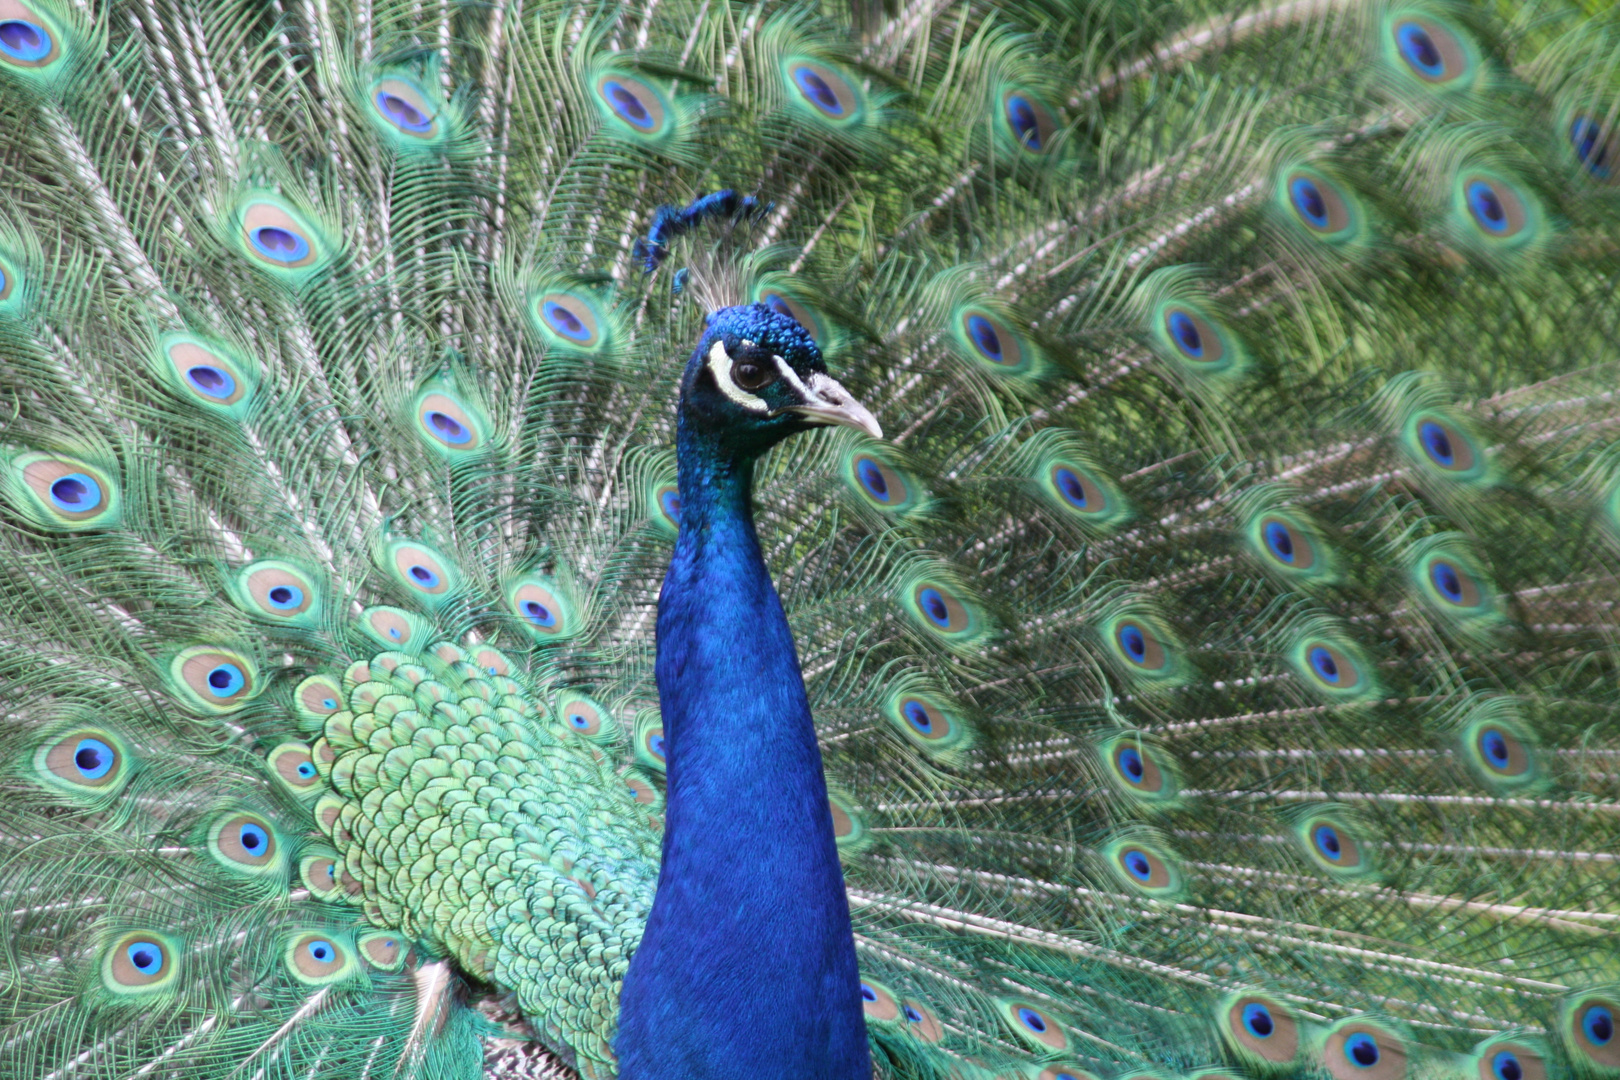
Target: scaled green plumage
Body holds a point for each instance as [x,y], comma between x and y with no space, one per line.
[1227,624]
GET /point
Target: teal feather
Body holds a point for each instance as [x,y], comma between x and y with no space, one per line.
[1152,689]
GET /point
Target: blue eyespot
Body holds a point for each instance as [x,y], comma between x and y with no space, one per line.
[1130,764]
[1597,1024]
[1322,662]
[933,605]
[287,598]
[872,480]
[403,113]
[424,577]
[1137,864]
[867,993]
[331,703]
[1486,207]
[322,951]
[912,1015]
[24,41]
[306,770]
[93,758]
[1326,839]
[253,839]
[1419,50]
[1362,1050]
[1591,146]
[985,338]
[1437,444]
[1279,541]
[917,716]
[539,614]
[1493,744]
[1184,332]
[447,427]
[670,502]
[565,322]
[225,680]
[578,721]
[1505,1066]
[1446,579]
[278,244]
[1032,1020]
[1133,641]
[145,957]
[211,381]
[393,632]
[1071,488]
[815,88]
[1025,124]
[1308,201]
[655,745]
[75,493]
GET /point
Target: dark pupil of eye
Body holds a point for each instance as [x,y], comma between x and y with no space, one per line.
[281,595]
[88,759]
[144,959]
[1602,1028]
[421,573]
[19,36]
[70,491]
[1423,50]
[275,239]
[401,109]
[868,993]
[628,103]
[1509,1070]
[250,840]
[219,678]
[207,378]
[1365,1052]
[444,423]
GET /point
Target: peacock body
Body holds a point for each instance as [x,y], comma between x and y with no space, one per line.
[1213,665]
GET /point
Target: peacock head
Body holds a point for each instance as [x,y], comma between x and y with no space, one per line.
[757,377]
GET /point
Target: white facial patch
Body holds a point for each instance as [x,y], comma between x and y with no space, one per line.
[720,368]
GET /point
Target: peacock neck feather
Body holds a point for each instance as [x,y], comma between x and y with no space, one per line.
[747,967]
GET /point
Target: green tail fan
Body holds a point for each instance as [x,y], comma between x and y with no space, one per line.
[1213,665]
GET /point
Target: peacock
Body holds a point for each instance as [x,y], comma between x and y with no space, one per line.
[839,540]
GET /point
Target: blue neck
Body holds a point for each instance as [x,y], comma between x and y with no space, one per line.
[747,968]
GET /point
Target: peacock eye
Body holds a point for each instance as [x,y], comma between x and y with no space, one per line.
[751,375]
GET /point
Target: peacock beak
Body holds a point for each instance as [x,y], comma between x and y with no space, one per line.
[829,403]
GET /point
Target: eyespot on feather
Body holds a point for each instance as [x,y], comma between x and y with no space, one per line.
[1322,206]
[214,680]
[273,236]
[569,320]
[319,873]
[448,424]
[1499,211]
[586,718]
[541,608]
[1143,867]
[640,790]
[318,697]
[1509,1059]
[667,507]
[1140,646]
[1332,668]
[849,830]
[921,1021]
[632,105]
[823,92]
[878,483]
[926,721]
[991,341]
[205,374]
[1027,120]
[878,1002]
[317,958]
[1360,1050]
[384,950]
[88,762]
[939,609]
[394,628]
[1454,587]
[1260,1029]
[1430,52]
[276,590]
[1034,1026]
[1496,749]
[403,109]
[491,661]
[294,767]
[1134,766]
[245,843]
[1334,844]
[28,40]
[1063,1071]
[140,962]
[1441,447]
[1587,1025]
[56,491]
[425,573]
[1595,147]
[1284,544]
